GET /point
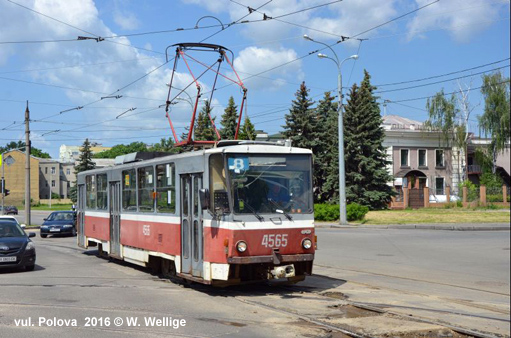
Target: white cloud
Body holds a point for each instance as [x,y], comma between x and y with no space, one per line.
[127,21]
[149,92]
[461,18]
[253,60]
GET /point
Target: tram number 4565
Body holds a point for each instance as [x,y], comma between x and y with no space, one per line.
[274,241]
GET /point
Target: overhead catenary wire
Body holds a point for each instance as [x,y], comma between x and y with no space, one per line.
[437,82]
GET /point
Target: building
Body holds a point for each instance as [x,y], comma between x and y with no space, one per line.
[14,173]
[68,154]
[418,158]
[56,178]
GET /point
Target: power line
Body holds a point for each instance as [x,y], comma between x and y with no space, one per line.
[78,28]
[445,94]
[441,75]
[437,82]
[76,66]
[399,17]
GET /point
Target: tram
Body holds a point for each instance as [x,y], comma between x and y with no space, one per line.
[241,211]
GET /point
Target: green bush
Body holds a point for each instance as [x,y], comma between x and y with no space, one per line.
[356,212]
[472,191]
[326,212]
[494,198]
[491,181]
[459,204]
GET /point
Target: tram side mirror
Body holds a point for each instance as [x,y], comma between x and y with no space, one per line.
[204,198]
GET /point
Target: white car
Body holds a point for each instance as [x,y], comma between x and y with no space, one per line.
[12,218]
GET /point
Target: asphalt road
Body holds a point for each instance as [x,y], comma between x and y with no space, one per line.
[36,216]
[461,278]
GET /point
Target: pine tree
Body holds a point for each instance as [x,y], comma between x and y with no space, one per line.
[301,121]
[247,131]
[229,121]
[326,180]
[203,130]
[365,157]
[84,163]
[85,160]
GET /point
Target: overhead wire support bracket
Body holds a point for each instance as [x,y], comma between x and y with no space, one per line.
[111,97]
[67,110]
[121,114]
[98,39]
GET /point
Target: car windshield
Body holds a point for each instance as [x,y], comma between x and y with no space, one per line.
[10,229]
[270,184]
[61,216]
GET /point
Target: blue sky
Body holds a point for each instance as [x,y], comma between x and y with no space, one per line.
[443,37]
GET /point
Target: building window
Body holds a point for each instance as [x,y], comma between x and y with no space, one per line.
[440,160]
[166,188]
[102,192]
[439,185]
[423,158]
[90,188]
[53,183]
[68,171]
[146,189]
[53,170]
[405,161]
[129,190]
[46,170]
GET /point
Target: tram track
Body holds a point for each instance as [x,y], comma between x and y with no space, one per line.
[409,279]
[369,307]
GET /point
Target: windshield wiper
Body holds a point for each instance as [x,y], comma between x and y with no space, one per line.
[279,209]
[259,217]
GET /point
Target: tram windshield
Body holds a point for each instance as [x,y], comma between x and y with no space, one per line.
[262,184]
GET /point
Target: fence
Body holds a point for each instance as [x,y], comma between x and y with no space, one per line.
[480,196]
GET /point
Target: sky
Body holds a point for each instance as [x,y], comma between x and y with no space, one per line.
[110,87]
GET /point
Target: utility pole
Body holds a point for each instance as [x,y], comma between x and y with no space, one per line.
[3,183]
[27,166]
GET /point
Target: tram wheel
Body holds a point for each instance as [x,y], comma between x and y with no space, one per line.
[168,268]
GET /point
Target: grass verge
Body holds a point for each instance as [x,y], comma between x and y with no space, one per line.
[418,216]
[54,207]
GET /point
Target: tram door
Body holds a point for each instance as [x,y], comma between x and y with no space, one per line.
[81,215]
[115,218]
[191,225]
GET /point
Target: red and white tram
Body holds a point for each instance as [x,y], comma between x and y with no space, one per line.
[239,212]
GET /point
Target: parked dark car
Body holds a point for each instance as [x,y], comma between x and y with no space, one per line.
[59,223]
[10,210]
[16,248]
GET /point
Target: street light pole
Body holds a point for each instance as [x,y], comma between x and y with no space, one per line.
[342,174]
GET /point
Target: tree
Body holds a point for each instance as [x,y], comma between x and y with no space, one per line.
[450,121]
[203,130]
[21,146]
[495,119]
[326,164]
[301,121]
[229,121]
[247,131]
[85,160]
[122,149]
[84,163]
[365,157]
[165,145]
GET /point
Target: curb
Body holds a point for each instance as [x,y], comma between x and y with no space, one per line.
[445,227]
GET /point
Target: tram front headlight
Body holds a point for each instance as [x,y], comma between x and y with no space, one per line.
[307,244]
[241,246]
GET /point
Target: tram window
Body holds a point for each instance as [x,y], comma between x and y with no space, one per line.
[129,190]
[146,189]
[90,183]
[166,188]
[102,191]
[217,184]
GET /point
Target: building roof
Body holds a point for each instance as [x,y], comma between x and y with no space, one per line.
[395,122]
